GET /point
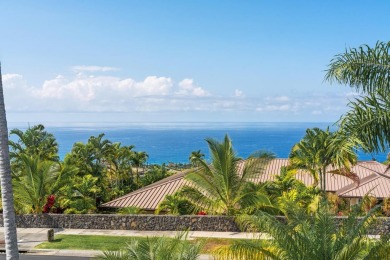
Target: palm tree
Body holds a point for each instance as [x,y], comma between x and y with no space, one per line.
[174,204]
[195,156]
[34,141]
[138,160]
[320,149]
[92,158]
[119,170]
[36,180]
[367,70]
[79,196]
[11,241]
[308,236]
[222,187]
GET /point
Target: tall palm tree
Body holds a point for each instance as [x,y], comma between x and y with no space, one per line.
[320,149]
[90,159]
[222,187]
[308,236]
[11,241]
[34,141]
[138,160]
[119,169]
[195,156]
[366,69]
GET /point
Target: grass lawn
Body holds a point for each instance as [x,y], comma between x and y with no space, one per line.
[113,243]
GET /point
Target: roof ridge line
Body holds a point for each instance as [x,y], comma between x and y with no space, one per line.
[150,186]
[375,175]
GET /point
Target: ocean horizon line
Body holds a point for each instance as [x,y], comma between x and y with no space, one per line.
[168,125]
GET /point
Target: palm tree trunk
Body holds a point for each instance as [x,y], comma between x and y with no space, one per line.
[324,178]
[11,241]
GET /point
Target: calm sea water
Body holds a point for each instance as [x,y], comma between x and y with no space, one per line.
[174,142]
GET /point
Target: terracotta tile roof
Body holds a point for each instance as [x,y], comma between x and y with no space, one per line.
[150,196]
[375,184]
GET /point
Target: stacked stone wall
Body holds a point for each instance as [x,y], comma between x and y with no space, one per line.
[151,222]
[127,222]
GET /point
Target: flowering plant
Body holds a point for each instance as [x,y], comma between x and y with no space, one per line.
[50,200]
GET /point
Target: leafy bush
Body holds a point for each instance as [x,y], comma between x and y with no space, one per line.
[157,248]
[309,236]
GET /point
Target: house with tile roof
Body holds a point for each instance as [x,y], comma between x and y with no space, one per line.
[374,179]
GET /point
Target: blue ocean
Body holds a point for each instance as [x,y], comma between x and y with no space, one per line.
[165,143]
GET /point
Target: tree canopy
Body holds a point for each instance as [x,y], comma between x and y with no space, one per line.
[366,69]
[223,186]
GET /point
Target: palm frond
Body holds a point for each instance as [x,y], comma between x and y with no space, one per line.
[368,121]
[244,249]
[364,68]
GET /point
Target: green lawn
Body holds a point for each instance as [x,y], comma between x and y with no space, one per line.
[113,243]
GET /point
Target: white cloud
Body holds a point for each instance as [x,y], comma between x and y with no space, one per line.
[83,68]
[238,93]
[85,88]
[93,93]
[188,88]
[9,77]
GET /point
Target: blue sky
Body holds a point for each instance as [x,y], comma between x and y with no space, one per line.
[180,61]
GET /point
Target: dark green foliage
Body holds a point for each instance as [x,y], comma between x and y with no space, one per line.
[320,149]
[175,204]
[110,163]
[153,175]
[35,141]
[36,179]
[308,236]
[91,174]
[195,156]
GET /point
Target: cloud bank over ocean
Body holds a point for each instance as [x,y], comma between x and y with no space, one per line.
[92,90]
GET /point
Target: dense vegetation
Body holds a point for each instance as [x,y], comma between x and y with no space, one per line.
[92,173]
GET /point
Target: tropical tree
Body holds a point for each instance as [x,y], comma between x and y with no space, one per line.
[35,141]
[79,196]
[224,186]
[10,236]
[285,185]
[305,235]
[36,180]
[175,204]
[367,70]
[285,181]
[320,149]
[195,156]
[153,175]
[138,160]
[119,169]
[92,158]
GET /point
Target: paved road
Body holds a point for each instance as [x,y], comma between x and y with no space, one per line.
[43,257]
